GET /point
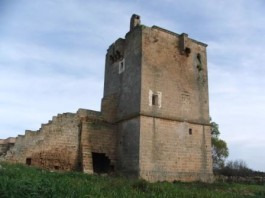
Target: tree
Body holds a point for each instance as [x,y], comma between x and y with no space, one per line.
[219,147]
[237,168]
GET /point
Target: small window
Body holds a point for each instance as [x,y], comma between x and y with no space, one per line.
[190,131]
[121,66]
[155,99]
[199,60]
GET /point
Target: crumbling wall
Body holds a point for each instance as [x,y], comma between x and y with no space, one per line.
[5,145]
[54,146]
[103,139]
[67,142]
[97,136]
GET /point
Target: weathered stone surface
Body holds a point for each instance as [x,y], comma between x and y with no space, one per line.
[154,119]
[6,145]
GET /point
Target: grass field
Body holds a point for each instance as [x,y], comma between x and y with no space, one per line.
[21,181]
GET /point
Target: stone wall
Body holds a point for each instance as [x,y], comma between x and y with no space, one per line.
[54,146]
[98,136]
[67,142]
[128,147]
[171,150]
[130,84]
[6,144]
[175,76]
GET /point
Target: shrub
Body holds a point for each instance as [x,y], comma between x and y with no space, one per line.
[236,168]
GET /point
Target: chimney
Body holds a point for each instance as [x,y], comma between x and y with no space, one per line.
[135,21]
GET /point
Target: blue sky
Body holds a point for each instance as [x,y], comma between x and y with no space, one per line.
[52,60]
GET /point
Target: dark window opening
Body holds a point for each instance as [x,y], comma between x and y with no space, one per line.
[190,131]
[56,167]
[155,99]
[101,163]
[187,51]
[28,161]
[199,65]
[199,58]
[122,65]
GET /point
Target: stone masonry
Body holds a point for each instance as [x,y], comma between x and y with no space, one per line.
[154,118]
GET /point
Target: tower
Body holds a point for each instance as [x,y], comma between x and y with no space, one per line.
[154,119]
[156,92]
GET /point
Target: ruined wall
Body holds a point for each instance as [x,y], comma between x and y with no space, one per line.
[6,144]
[171,150]
[97,136]
[67,142]
[103,138]
[54,146]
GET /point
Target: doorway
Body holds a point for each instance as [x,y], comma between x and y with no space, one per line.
[28,161]
[101,163]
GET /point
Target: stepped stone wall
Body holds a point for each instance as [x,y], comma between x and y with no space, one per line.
[54,146]
[65,142]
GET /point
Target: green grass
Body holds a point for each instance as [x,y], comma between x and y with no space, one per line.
[21,181]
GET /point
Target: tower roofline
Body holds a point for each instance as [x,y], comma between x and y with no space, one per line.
[175,34]
[135,22]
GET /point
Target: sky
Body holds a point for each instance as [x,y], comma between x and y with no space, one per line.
[52,57]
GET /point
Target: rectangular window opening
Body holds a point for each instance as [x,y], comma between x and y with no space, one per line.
[190,131]
[155,99]
[121,66]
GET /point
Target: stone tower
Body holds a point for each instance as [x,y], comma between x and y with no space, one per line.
[154,119]
[156,93]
